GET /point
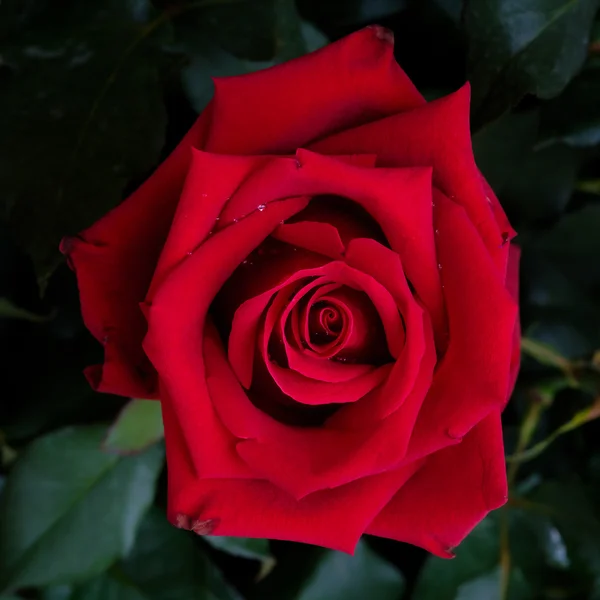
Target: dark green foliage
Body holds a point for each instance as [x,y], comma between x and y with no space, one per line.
[93,94]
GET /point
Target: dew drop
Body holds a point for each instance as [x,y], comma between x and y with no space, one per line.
[437,232]
[217,218]
[298,164]
[189,253]
[261,207]
[235,220]
[488,199]
[439,266]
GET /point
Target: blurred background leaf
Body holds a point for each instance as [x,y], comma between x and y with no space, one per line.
[65,492]
[138,425]
[518,48]
[100,92]
[94,109]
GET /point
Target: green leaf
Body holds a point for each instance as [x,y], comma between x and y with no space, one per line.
[8,310]
[244,29]
[138,426]
[339,576]
[573,245]
[567,504]
[574,116]
[440,579]
[253,548]
[313,37]
[532,183]
[518,48]
[166,564]
[488,586]
[351,13]
[289,38]
[107,587]
[69,509]
[57,592]
[83,85]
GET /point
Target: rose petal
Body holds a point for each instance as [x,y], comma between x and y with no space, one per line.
[307,459]
[307,391]
[436,134]
[512,285]
[210,182]
[473,376]
[419,351]
[177,316]
[398,199]
[114,261]
[450,494]
[316,237]
[351,81]
[331,518]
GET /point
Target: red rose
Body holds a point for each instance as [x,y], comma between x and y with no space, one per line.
[328,307]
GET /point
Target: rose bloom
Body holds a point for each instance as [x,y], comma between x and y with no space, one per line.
[319,286]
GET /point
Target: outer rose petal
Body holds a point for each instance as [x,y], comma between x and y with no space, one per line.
[114,261]
[331,518]
[350,82]
[436,134]
[472,378]
[304,460]
[452,492]
[512,285]
[210,181]
[177,317]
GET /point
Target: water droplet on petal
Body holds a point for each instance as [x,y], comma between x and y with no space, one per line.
[439,266]
[453,435]
[437,232]
[190,253]
[298,164]
[488,199]
[261,207]
[217,218]
[235,220]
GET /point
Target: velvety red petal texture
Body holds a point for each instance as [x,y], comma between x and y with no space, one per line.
[115,260]
[450,494]
[176,320]
[512,285]
[481,319]
[351,82]
[438,135]
[328,301]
